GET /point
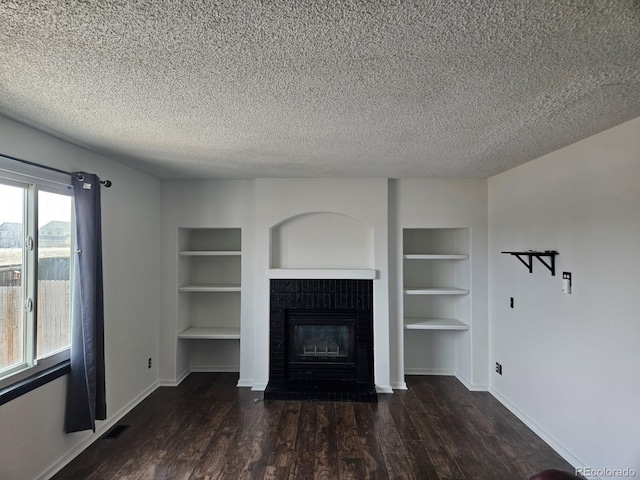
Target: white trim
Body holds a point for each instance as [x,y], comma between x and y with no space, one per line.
[472,387]
[399,385]
[384,389]
[259,387]
[323,273]
[167,383]
[29,174]
[182,376]
[538,430]
[101,429]
[244,382]
[170,382]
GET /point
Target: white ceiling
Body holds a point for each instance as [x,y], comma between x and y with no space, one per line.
[355,88]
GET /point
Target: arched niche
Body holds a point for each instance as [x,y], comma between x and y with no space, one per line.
[322,240]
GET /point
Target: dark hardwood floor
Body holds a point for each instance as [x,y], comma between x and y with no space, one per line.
[208,429]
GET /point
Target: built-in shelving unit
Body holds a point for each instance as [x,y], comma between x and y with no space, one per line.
[435,301]
[209,283]
[434,266]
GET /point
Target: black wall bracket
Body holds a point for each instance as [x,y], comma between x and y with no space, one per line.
[531,254]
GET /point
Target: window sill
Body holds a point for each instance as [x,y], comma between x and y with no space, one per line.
[34,381]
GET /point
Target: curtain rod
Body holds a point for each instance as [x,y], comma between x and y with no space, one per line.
[106,183]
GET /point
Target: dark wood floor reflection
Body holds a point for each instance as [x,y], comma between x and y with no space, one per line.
[208,429]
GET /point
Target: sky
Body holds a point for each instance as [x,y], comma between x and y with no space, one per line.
[51,206]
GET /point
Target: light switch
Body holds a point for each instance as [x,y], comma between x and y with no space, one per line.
[566,282]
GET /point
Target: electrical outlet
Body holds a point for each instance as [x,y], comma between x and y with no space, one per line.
[149,362]
[498,368]
[511,302]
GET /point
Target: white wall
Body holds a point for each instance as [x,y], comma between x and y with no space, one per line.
[570,362]
[322,240]
[31,426]
[442,203]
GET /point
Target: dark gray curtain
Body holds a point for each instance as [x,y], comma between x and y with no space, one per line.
[86,401]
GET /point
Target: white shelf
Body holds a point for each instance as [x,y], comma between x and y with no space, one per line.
[434,324]
[209,253]
[436,291]
[414,256]
[323,273]
[210,288]
[210,333]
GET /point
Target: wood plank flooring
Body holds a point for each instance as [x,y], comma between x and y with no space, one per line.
[208,429]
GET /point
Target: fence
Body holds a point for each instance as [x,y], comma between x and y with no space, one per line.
[53,320]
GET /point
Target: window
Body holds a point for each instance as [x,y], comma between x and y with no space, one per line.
[35,276]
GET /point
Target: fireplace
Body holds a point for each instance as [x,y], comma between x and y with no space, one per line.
[321,340]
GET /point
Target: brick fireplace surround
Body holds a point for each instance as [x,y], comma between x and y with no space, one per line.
[329,302]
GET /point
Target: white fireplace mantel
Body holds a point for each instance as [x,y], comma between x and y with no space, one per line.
[323,273]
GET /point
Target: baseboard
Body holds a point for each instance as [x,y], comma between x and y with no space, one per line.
[384,389]
[472,387]
[541,432]
[171,382]
[101,429]
[183,376]
[216,368]
[244,382]
[399,385]
[259,387]
[429,371]
[167,383]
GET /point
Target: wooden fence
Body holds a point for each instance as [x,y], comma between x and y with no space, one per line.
[53,320]
[10,325]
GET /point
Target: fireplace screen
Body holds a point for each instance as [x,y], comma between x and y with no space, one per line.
[321,340]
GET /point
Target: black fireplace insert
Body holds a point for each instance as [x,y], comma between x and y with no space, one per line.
[320,345]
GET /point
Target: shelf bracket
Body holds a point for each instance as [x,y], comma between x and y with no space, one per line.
[531,254]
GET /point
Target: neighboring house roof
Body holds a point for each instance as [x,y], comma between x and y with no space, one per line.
[56,225]
[11,226]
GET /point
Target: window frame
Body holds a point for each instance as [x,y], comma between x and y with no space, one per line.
[34,371]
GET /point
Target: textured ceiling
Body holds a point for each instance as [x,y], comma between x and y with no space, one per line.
[435,88]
